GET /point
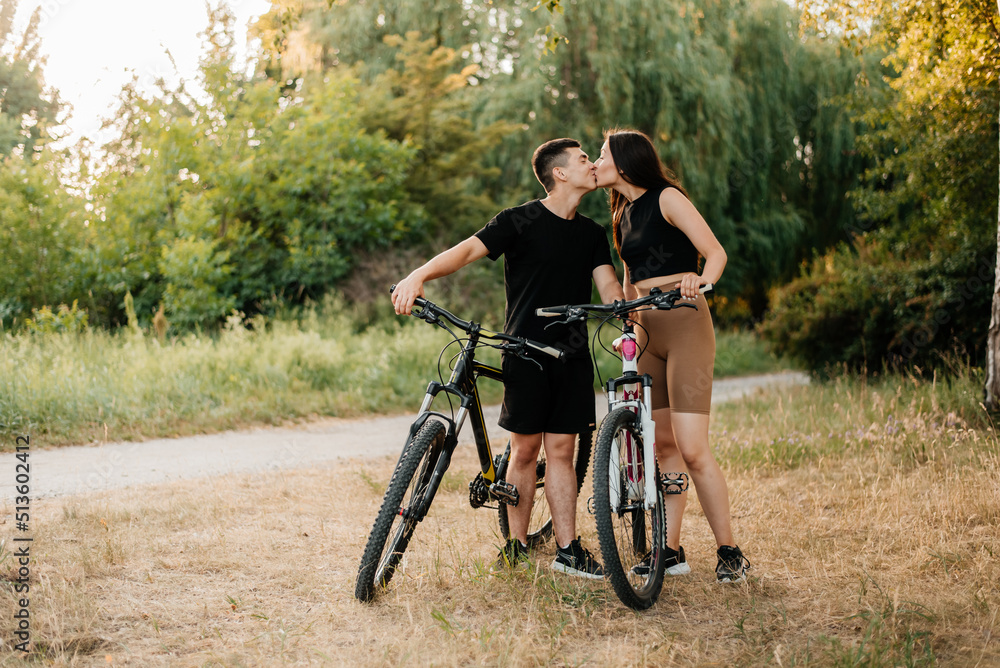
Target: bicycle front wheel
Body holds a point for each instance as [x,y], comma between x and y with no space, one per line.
[540,523]
[632,537]
[395,522]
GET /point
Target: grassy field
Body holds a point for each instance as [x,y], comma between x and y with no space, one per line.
[869,512]
[95,387]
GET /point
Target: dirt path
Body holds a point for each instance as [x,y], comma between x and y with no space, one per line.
[81,469]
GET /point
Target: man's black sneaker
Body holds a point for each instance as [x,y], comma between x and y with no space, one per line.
[512,555]
[577,560]
[732,566]
[676,563]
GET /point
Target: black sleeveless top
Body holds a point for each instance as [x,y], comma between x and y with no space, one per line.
[650,245]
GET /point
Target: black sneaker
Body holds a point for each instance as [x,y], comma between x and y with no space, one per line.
[732,566]
[577,560]
[512,555]
[676,563]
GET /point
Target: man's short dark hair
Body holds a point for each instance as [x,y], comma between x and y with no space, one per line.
[548,156]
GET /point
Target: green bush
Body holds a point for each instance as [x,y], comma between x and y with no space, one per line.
[866,310]
[70,319]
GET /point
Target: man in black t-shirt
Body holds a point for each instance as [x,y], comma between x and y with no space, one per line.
[551,253]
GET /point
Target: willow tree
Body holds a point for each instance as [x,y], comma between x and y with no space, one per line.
[303,35]
[743,109]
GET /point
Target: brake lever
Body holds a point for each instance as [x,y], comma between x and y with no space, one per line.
[674,303]
[427,315]
[570,317]
[519,351]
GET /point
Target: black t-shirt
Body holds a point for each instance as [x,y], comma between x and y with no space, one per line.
[548,261]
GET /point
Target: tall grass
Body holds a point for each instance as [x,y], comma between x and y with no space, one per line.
[96,386]
[911,419]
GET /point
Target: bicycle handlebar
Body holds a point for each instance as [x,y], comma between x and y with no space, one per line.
[430,312]
[659,300]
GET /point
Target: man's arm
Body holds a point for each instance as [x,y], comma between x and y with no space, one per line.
[448,262]
[607,283]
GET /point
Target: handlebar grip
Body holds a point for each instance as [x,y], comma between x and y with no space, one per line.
[708,287]
[550,311]
[418,301]
[548,350]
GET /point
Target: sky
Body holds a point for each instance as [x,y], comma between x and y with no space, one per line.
[93,48]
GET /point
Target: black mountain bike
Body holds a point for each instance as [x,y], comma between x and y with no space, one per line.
[431,442]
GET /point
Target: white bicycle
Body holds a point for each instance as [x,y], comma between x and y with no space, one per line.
[628,490]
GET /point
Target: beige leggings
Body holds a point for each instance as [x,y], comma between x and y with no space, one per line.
[678,352]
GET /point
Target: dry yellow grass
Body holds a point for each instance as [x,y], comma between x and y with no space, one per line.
[864,559]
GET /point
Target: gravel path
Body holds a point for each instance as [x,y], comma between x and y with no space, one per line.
[81,469]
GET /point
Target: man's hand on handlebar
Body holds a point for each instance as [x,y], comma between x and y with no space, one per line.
[406,292]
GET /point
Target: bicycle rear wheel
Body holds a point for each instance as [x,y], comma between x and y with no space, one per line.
[540,523]
[632,538]
[394,523]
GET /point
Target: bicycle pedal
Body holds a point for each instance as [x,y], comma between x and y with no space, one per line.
[504,492]
[674,483]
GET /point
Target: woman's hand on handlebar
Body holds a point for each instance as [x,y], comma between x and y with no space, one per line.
[690,285]
[406,292]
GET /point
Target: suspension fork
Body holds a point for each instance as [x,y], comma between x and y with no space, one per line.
[462,385]
[640,465]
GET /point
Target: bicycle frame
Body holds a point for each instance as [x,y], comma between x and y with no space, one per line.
[636,399]
[463,385]
[636,395]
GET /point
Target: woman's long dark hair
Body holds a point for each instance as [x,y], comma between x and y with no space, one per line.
[638,163]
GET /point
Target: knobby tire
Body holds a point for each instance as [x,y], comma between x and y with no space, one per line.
[393,527]
[628,532]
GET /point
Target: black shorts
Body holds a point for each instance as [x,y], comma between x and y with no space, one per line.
[557,398]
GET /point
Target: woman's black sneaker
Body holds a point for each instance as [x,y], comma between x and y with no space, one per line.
[733,566]
[676,563]
[577,560]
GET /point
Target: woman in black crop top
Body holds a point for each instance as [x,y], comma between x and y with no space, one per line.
[660,237]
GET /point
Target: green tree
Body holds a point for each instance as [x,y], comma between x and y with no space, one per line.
[747,111]
[42,223]
[27,109]
[39,238]
[258,193]
[926,201]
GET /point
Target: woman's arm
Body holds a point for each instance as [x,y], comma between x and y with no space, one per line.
[631,292]
[682,214]
[607,283]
